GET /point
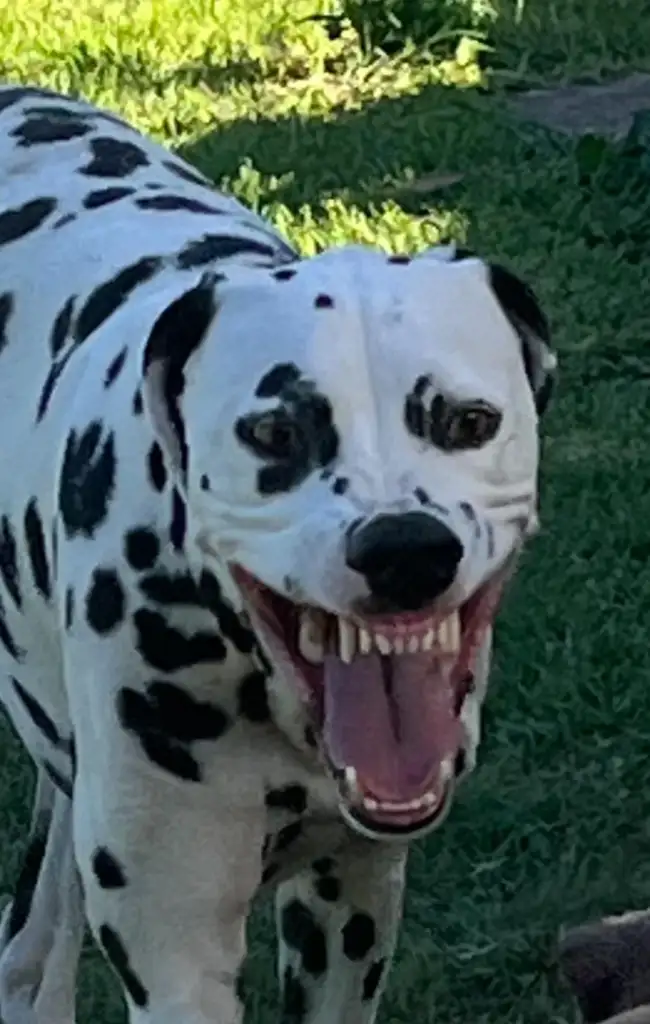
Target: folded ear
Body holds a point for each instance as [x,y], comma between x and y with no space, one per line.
[176,334]
[522,308]
[524,312]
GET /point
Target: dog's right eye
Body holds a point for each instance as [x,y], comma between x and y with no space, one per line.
[272,435]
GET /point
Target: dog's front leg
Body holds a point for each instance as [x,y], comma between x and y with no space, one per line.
[169,867]
[337,927]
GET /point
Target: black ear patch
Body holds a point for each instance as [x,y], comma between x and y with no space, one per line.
[521,306]
[181,327]
[176,334]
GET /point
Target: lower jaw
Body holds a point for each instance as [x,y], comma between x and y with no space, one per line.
[385,826]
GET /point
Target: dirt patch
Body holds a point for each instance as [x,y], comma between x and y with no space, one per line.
[606,109]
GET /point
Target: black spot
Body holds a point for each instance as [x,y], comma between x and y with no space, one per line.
[6,639]
[55,548]
[16,94]
[35,540]
[49,128]
[491,546]
[324,302]
[186,173]
[67,218]
[204,482]
[87,481]
[274,382]
[279,479]
[398,258]
[230,623]
[50,383]
[69,608]
[359,936]
[167,721]
[105,602]
[6,310]
[287,836]
[9,561]
[19,221]
[328,888]
[285,274]
[115,368]
[167,588]
[118,957]
[167,649]
[103,196]
[156,466]
[61,326]
[219,247]
[108,870]
[294,998]
[25,887]
[38,715]
[340,485]
[323,865]
[138,406]
[310,737]
[372,979]
[113,158]
[142,548]
[291,798]
[302,933]
[269,872]
[174,203]
[253,698]
[178,524]
[108,297]
[62,784]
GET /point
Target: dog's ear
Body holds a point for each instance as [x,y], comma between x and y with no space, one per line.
[176,334]
[522,308]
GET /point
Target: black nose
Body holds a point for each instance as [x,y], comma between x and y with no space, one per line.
[408,560]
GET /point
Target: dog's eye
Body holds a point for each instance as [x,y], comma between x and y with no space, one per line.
[274,435]
[462,427]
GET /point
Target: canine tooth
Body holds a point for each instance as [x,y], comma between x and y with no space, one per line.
[365,641]
[311,638]
[413,645]
[449,634]
[347,641]
[428,640]
[383,644]
[349,774]
[370,804]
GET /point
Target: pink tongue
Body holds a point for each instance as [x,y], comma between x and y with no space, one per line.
[392,719]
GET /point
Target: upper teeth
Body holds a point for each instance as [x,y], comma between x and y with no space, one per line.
[352,640]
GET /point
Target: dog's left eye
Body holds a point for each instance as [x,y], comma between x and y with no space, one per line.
[272,435]
[466,426]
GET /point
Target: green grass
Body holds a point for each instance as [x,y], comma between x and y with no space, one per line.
[327,138]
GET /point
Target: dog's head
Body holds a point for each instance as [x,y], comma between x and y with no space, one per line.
[357,438]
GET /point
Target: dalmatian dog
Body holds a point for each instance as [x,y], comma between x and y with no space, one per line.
[256,516]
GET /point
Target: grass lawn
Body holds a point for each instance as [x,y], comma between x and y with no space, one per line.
[335,145]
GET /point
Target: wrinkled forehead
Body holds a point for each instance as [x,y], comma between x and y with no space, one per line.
[354,321]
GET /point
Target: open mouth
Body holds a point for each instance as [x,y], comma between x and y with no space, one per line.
[386,693]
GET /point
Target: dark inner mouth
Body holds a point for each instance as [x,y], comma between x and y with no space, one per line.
[386,695]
